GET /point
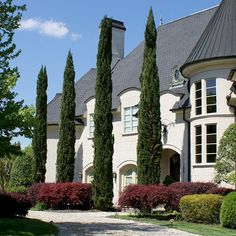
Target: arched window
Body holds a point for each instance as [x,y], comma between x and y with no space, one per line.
[128,176]
[89,175]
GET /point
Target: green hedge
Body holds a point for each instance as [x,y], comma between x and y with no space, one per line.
[201,208]
[21,174]
[228,211]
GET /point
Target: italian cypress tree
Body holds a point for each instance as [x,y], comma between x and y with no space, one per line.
[66,143]
[149,145]
[103,139]
[40,132]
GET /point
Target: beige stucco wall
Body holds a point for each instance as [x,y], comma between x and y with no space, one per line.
[125,144]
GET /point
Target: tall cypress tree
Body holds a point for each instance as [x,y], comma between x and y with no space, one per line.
[66,143]
[149,145]
[40,132]
[103,139]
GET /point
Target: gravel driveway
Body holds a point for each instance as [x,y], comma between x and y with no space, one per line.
[88,223]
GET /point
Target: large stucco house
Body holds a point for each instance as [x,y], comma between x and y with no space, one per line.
[195,55]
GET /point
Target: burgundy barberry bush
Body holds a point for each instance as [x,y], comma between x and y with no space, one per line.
[14,204]
[144,197]
[63,195]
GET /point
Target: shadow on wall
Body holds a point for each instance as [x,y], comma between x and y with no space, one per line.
[78,164]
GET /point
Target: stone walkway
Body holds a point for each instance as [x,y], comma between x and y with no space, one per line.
[89,223]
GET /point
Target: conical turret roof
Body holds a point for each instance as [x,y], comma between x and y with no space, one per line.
[218,41]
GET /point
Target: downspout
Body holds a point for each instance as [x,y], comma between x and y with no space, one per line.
[189,137]
[189,152]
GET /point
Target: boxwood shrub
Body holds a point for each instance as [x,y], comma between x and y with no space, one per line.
[179,189]
[201,208]
[228,211]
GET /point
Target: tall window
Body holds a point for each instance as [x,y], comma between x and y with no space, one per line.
[198,147]
[211,148]
[91,125]
[130,119]
[211,95]
[129,176]
[198,98]
[89,175]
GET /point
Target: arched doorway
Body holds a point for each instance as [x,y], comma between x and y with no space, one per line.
[175,167]
[170,164]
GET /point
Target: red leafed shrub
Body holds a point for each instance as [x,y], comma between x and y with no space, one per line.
[65,195]
[14,204]
[220,191]
[23,203]
[33,192]
[179,189]
[144,197]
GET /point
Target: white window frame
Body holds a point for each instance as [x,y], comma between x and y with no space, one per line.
[130,119]
[91,124]
[199,144]
[205,143]
[209,143]
[199,98]
[209,96]
[133,177]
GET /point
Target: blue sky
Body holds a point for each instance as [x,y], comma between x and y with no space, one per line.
[50,28]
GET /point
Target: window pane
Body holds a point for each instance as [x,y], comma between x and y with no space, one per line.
[211,158]
[198,111]
[211,91]
[210,83]
[198,102]
[198,139]
[127,123]
[211,100]
[135,123]
[135,110]
[198,130]
[198,94]
[211,109]
[127,129]
[211,129]
[198,85]
[211,148]
[198,159]
[211,138]
[198,149]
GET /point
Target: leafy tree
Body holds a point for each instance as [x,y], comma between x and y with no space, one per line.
[103,139]
[5,170]
[66,143]
[226,160]
[21,175]
[15,119]
[40,131]
[149,145]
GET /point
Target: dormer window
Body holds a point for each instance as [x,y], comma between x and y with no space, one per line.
[177,79]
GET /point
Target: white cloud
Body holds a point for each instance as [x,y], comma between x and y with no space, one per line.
[75,36]
[48,28]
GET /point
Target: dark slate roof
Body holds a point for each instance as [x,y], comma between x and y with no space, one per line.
[175,40]
[219,38]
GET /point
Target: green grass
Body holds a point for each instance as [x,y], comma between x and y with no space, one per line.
[201,229]
[26,227]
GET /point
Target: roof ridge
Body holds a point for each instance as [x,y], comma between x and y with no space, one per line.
[195,13]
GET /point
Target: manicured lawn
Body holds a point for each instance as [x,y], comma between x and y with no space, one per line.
[201,229]
[26,227]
